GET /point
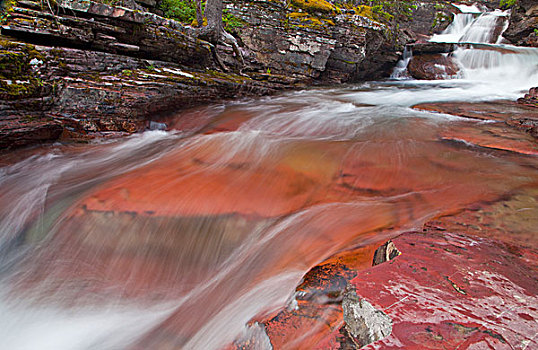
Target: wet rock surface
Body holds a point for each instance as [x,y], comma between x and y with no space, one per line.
[432,67]
[465,280]
[444,290]
[520,116]
[530,98]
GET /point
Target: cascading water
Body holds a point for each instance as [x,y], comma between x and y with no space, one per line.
[485,27]
[400,71]
[483,62]
[169,240]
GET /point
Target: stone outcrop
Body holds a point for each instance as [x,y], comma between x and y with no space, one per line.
[330,48]
[386,252]
[429,17]
[523,27]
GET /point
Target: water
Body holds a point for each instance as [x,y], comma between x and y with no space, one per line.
[483,61]
[400,71]
[472,27]
[179,239]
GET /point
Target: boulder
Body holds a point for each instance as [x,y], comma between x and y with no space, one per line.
[432,67]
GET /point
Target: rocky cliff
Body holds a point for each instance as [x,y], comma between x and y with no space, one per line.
[76,69]
[523,28]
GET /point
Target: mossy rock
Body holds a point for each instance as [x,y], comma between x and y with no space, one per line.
[314,6]
[21,88]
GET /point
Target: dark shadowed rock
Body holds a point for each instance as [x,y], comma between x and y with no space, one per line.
[523,24]
[386,252]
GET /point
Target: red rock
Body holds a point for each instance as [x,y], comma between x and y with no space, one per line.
[450,290]
[432,67]
[492,135]
[519,115]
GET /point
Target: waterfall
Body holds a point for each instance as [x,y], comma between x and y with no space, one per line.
[512,68]
[484,63]
[466,28]
[400,71]
[453,33]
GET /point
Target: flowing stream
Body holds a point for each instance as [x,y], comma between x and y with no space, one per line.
[179,238]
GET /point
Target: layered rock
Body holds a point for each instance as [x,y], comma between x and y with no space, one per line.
[81,92]
[530,98]
[87,68]
[328,47]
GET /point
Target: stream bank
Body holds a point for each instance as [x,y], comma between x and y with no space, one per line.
[76,70]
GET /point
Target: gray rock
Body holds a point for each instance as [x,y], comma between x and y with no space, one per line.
[364,323]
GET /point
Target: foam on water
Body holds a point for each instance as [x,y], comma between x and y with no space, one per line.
[107,327]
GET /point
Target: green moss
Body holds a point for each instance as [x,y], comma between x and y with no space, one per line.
[21,88]
[304,20]
[231,22]
[313,6]
[16,75]
[6,9]
[385,11]
[506,4]
[181,10]
[440,17]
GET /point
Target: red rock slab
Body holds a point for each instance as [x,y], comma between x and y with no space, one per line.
[199,180]
[190,120]
[252,174]
[491,110]
[513,220]
[492,135]
[453,291]
[229,120]
[305,326]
